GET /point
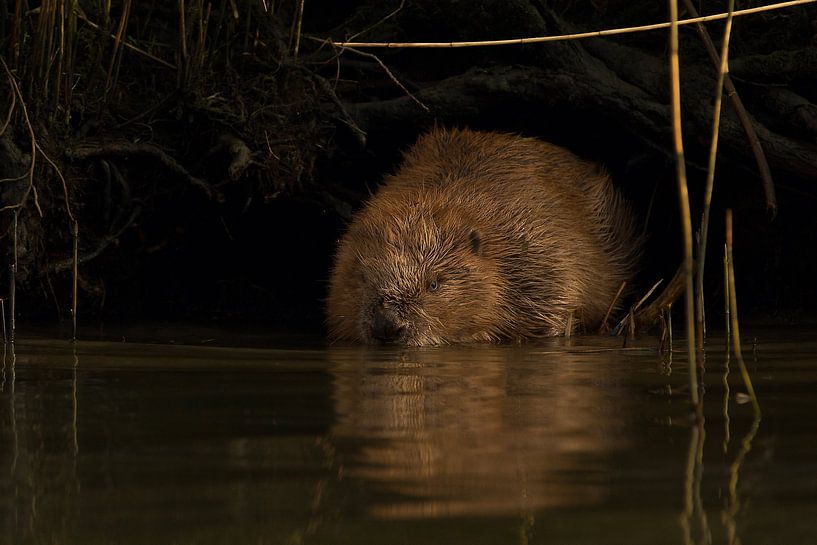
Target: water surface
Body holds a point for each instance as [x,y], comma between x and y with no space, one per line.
[559,442]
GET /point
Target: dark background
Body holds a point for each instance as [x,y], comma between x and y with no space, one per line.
[324,127]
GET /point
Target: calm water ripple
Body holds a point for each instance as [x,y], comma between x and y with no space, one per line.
[568,443]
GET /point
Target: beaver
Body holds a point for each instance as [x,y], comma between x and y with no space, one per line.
[482,236]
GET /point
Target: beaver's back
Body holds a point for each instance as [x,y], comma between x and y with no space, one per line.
[575,229]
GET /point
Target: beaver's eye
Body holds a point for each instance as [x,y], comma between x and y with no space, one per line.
[434,285]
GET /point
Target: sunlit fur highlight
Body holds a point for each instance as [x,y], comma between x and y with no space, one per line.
[517,233]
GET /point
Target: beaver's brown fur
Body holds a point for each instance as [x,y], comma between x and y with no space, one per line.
[482,236]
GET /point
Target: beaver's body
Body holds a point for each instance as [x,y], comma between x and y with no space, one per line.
[482,237]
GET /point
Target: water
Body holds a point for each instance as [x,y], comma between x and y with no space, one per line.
[586,443]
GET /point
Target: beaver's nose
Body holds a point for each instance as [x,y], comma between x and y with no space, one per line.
[384,327]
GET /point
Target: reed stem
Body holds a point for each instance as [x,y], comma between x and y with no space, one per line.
[733,306]
[683,200]
[298,23]
[700,314]
[75,276]
[13,278]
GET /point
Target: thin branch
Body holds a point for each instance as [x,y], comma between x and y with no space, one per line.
[64,184]
[603,325]
[389,74]
[594,34]
[647,295]
[380,22]
[16,89]
[11,112]
[631,315]
[648,316]
[345,116]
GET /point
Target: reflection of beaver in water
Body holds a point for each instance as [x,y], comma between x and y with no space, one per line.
[482,237]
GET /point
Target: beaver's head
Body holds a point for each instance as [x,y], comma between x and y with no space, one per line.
[414,274]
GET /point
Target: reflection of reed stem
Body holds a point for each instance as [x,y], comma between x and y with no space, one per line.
[13,409]
[75,406]
[694,511]
[689,505]
[734,476]
[727,436]
[703,522]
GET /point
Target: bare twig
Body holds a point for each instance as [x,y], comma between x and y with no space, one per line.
[564,37]
[647,295]
[630,318]
[378,23]
[345,116]
[11,112]
[389,74]
[603,325]
[650,314]
[62,180]
[33,160]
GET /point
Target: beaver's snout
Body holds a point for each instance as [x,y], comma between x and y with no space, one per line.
[385,327]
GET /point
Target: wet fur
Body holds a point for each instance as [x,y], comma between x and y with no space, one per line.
[517,234]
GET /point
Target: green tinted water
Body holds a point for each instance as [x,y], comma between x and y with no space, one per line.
[134,443]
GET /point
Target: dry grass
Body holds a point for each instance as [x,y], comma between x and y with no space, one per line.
[176,78]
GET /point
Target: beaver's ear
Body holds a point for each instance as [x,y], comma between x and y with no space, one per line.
[475,240]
